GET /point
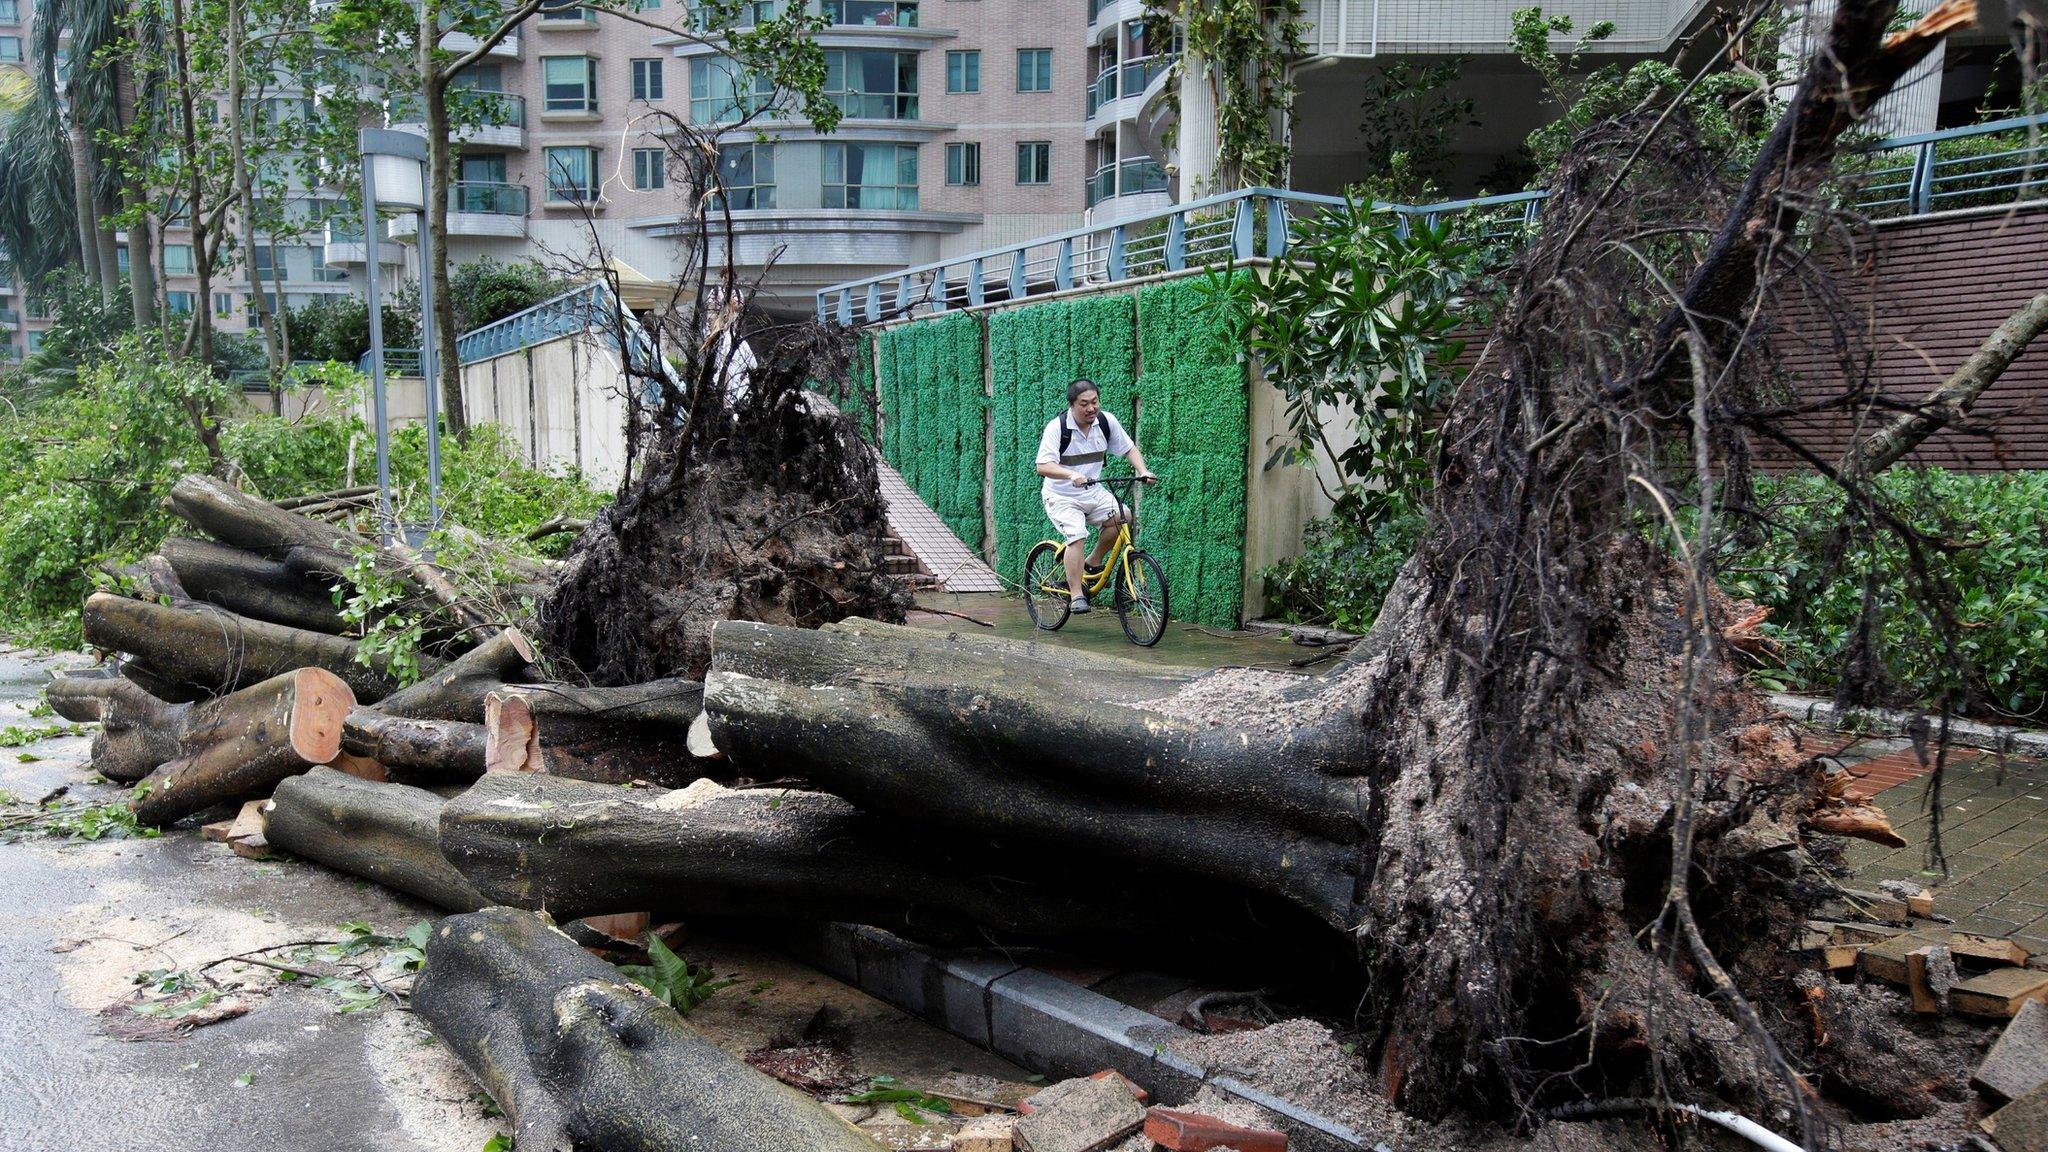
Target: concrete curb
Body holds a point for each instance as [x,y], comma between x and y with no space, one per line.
[1892,722]
[1042,1022]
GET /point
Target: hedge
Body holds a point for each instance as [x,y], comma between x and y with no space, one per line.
[932,415]
[1187,409]
[1034,353]
[1193,425]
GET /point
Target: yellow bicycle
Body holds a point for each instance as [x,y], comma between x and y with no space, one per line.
[1139,582]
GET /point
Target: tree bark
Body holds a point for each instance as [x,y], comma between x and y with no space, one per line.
[576,848]
[387,833]
[248,585]
[245,192]
[580,1059]
[457,690]
[137,732]
[242,744]
[203,647]
[1058,751]
[1952,401]
[435,749]
[236,518]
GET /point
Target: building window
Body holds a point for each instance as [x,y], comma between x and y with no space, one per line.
[121,259]
[720,92]
[263,261]
[10,49]
[872,84]
[963,165]
[571,83]
[180,303]
[1034,162]
[566,11]
[746,175]
[572,175]
[963,71]
[649,169]
[223,304]
[35,340]
[900,13]
[10,11]
[1034,69]
[647,79]
[879,176]
[38,307]
[322,274]
[177,259]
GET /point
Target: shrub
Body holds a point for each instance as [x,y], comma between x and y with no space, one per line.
[88,470]
[1993,554]
[1343,572]
[485,290]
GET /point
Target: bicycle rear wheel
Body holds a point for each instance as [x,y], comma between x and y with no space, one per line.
[1045,587]
[1141,599]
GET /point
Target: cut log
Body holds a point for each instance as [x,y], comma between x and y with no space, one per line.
[248,585]
[616,735]
[513,743]
[434,749]
[456,690]
[580,1058]
[204,647]
[579,849]
[388,833]
[234,517]
[137,730]
[241,745]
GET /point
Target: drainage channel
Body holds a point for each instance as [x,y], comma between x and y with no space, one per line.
[1044,1022]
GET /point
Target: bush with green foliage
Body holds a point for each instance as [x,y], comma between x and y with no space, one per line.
[338,327]
[89,468]
[82,329]
[1343,572]
[1994,556]
[485,290]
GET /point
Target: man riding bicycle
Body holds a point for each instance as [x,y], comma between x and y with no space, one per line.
[1070,456]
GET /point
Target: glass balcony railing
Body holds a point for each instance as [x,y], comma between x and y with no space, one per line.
[1095,8]
[879,13]
[484,106]
[1142,175]
[751,13]
[1139,73]
[488,197]
[1103,90]
[1102,185]
[9,318]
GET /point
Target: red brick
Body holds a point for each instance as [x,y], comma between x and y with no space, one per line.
[1178,1131]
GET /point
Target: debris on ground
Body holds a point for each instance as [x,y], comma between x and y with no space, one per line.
[1081,1115]
[2018,1062]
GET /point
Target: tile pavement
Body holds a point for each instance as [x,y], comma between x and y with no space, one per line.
[1994,833]
[941,552]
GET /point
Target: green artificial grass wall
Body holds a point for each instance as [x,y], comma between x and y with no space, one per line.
[1034,352]
[1187,409]
[1192,425]
[932,415]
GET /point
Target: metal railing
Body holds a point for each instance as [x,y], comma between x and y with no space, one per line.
[579,309]
[1247,224]
[1983,164]
[1102,89]
[397,362]
[487,196]
[1128,178]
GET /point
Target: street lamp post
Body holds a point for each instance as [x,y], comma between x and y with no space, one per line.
[395,176]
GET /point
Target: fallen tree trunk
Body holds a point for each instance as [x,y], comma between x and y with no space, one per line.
[388,833]
[203,647]
[577,848]
[249,585]
[456,690]
[579,1058]
[436,749]
[239,746]
[253,524]
[973,733]
[137,730]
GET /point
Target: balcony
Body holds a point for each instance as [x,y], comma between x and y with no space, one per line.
[497,120]
[1138,177]
[343,247]
[9,318]
[461,42]
[1127,82]
[872,13]
[479,208]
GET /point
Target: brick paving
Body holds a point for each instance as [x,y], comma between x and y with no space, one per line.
[941,552]
[1994,833]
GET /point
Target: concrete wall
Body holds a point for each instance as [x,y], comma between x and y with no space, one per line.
[563,403]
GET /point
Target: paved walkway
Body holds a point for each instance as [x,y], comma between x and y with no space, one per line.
[1994,834]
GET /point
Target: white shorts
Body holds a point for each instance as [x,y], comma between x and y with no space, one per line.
[1073,514]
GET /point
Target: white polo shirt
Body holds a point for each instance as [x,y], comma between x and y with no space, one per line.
[1086,450]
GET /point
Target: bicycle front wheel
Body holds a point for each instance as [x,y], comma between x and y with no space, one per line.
[1141,599]
[1045,587]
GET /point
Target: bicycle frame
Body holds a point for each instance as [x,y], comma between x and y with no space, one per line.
[1115,563]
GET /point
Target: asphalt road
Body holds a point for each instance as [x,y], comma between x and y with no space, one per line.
[295,1074]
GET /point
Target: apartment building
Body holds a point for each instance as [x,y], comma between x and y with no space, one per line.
[963,129]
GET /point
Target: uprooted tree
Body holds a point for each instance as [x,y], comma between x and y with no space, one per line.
[1538,798]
